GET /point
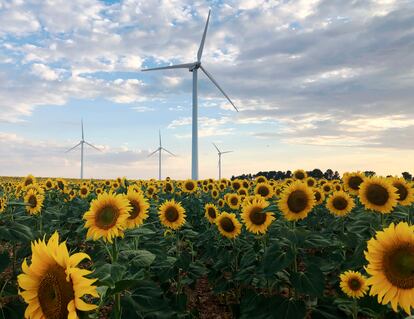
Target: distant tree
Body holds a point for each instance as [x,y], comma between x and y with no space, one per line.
[328,174]
[369,173]
[316,173]
[407,176]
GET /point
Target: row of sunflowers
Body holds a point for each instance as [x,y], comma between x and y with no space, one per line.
[293,248]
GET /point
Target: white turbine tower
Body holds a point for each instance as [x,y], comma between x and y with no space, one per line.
[193,67]
[160,149]
[219,155]
[81,143]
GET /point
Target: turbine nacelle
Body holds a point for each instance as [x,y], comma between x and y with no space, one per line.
[195,66]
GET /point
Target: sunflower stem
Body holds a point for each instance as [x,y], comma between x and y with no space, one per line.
[355,309]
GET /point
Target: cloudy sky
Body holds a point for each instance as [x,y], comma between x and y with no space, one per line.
[319,83]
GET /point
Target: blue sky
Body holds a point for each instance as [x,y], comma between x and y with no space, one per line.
[318,83]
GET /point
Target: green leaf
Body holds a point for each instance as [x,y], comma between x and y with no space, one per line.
[276,259]
[311,282]
[4,261]
[289,308]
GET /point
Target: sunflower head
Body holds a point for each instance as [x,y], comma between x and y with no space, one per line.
[49,184]
[172,214]
[189,186]
[404,190]
[340,203]
[233,200]
[53,285]
[84,191]
[236,184]
[390,256]
[352,182]
[264,189]
[261,179]
[296,201]
[311,182]
[107,216]
[319,195]
[29,179]
[256,220]
[378,194]
[139,209]
[353,284]
[211,212]
[3,204]
[34,202]
[228,225]
[300,174]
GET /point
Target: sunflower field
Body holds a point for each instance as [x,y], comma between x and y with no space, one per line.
[292,248]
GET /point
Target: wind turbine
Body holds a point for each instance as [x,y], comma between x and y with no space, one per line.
[81,143]
[219,155]
[193,67]
[160,149]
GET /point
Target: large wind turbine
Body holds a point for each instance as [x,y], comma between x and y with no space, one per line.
[193,67]
[81,143]
[160,149]
[219,155]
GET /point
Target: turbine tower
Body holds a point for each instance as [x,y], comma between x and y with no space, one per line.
[81,143]
[160,149]
[193,67]
[219,155]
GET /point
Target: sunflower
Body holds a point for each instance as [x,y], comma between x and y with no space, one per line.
[340,203]
[53,285]
[319,195]
[327,188]
[261,179]
[211,212]
[107,216]
[49,184]
[168,187]
[233,200]
[352,182]
[172,214]
[84,191]
[390,257]
[242,191]
[139,211]
[353,284]
[3,204]
[189,186]
[300,174]
[228,225]
[214,193]
[29,179]
[404,190]
[34,202]
[254,218]
[221,202]
[264,189]
[236,184]
[296,201]
[310,181]
[98,190]
[378,194]
[60,184]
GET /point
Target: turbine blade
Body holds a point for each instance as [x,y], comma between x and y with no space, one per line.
[216,147]
[168,151]
[159,133]
[176,66]
[73,147]
[93,147]
[203,39]
[154,152]
[227,152]
[218,86]
[83,136]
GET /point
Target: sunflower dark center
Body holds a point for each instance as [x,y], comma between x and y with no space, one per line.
[55,293]
[189,186]
[326,188]
[310,182]
[32,201]
[401,191]
[377,194]
[236,186]
[340,203]
[84,191]
[48,184]
[136,209]
[398,267]
[354,182]
[318,196]
[257,216]
[168,187]
[227,224]
[60,185]
[28,182]
[234,201]
[354,284]
[263,190]
[171,214]
[107,217]
[297,201]
[211,212]
[299,175]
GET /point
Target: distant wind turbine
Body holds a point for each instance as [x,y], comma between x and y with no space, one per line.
[160,149]
[193,67]
[219,155]
[81,143]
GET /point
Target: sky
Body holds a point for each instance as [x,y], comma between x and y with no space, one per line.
[319,84]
